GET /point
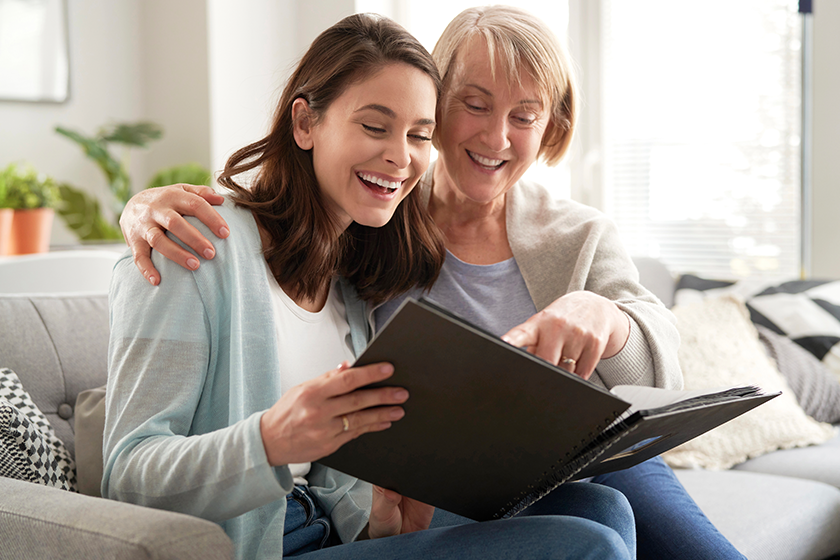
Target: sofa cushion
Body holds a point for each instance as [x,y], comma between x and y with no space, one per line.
[815,387]
[819,462]
[40,522]
[769,517]
[29,449]
[58,346]
[720,348]
[806,311]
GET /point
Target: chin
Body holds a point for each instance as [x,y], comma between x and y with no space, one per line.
[374,221]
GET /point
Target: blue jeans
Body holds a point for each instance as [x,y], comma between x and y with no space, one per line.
[528,536]
[669,524]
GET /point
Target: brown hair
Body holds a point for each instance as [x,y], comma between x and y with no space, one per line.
[517,39]
[305,246]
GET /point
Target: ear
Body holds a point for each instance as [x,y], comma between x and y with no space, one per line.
[302,123]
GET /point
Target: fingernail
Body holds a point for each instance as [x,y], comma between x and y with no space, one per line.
[386,368]
[192,263]
[153,280]
[209,253]
[396,414]
[400,394]
[224,232]
[506,339]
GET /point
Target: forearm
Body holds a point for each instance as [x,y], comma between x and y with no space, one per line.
[215,476]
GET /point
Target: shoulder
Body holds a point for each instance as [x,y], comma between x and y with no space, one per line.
[241,223]
[533,212]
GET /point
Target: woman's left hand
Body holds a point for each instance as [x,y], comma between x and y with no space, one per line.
[393,514]
[575,332]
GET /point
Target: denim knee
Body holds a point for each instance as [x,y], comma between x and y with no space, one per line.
[578,538]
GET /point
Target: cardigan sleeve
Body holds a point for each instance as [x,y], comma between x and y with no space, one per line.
[562,246]
[161,365]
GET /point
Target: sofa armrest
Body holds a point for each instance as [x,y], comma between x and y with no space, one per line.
[42,522]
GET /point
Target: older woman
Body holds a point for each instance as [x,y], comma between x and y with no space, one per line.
[547,274]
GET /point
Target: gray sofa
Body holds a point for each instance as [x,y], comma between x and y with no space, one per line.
[58,345]
[773,507]
[784,505]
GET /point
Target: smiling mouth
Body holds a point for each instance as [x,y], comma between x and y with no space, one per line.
[379,184]
[486,163]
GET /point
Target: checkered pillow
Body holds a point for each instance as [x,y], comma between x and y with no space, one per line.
[29,448]
[806,311]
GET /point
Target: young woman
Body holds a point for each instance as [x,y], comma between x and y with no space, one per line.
[216,401]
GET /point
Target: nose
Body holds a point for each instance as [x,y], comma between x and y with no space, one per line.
[398,152]
[495,133]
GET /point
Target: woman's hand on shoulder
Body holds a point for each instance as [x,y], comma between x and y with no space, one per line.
[152,212]
[315,418]
[575,332]
[393,514]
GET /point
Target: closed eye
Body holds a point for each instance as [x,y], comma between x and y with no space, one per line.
[420,137]
[373,129]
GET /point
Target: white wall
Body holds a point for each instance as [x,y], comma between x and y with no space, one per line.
[253,46]
[825,260]
[129,60]
[105,85]
[175,83]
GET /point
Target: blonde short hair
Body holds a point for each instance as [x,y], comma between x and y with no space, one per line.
[518,40]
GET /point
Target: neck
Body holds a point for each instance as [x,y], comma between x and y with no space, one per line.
[449,206]
[475,231]
[311,304]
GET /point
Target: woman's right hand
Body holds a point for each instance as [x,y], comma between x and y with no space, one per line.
[315,418]
[151,213]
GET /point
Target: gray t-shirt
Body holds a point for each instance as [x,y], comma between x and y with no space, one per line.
[493,296]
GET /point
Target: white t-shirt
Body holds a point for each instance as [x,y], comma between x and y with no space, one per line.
[310,343]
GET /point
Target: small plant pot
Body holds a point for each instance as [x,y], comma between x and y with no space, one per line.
[6,215]
[31,231]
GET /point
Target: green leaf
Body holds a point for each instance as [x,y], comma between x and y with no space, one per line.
[26,188]
[190,173]
[119,182]
[132,134]
[82,215]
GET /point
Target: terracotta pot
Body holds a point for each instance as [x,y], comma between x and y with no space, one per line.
[31,231]
[6,215]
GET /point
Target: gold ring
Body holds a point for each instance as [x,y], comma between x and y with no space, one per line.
[567,361]
[345,422]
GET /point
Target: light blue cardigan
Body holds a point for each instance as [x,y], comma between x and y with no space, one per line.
[193,363]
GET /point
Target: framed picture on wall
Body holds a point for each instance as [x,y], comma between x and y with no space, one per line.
[34,57]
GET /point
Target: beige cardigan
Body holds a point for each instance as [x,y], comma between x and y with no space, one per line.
[563,246]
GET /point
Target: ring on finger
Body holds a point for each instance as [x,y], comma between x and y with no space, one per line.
[565,360]
[345,423]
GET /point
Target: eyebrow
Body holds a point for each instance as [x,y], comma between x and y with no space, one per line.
[388,112]
[488,93]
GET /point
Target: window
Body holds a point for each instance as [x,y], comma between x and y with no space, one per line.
[701,133]
[689,136]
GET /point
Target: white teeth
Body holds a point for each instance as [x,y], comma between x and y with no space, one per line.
[381,182]
[486,161]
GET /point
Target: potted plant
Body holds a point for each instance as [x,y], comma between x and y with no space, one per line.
[32,197]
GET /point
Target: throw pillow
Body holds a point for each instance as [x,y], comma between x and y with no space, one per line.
[29,448]
[720,348]
[815,387]
[806,311]
[90,428]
